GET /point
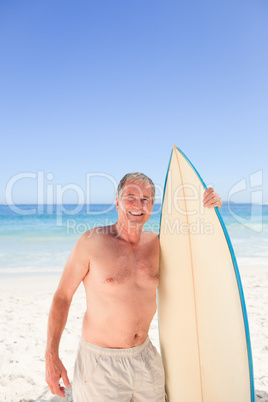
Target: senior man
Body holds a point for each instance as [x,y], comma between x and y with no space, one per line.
[119,267]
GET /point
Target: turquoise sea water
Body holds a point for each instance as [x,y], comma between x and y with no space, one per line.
[39,238]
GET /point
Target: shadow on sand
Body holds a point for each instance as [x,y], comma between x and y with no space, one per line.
[46,396]
[261,396]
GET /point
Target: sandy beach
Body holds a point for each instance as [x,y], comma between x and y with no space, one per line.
[25,303]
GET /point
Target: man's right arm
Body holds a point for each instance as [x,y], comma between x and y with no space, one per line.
[74,272]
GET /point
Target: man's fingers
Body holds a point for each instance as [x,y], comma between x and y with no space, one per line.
[209,189]
[214,202]
[209,193]
[50,387]
[55,370]
[66,379]
[56,389]
[62,391]
[211,199]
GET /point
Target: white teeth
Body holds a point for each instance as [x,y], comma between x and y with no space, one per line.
[134,213]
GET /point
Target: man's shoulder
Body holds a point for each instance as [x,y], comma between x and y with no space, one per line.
[96,232]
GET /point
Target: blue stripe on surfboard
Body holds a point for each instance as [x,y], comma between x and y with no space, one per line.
[239,283]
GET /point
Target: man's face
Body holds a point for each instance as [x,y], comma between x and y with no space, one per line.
[135,203]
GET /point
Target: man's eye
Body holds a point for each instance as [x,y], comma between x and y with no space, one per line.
[145,200]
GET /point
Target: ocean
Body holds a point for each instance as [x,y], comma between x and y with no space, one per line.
[37,239]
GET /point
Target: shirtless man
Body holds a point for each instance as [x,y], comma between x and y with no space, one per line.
[119,266]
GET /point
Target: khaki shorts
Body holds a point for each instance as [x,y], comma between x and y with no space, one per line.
[103,374]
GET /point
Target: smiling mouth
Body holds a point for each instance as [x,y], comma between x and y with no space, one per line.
[136,213]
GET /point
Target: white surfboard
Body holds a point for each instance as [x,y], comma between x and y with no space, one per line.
[203,326]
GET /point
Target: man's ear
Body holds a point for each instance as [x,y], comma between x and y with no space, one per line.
[116,203]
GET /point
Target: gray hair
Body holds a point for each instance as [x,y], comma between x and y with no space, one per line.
[135,177]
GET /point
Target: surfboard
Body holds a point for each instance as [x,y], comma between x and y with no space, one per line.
[203,325]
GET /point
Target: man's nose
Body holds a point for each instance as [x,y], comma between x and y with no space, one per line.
[137,203]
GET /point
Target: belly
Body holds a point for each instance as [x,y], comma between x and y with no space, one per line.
[119,318]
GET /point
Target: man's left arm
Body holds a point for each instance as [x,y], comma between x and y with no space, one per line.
[212,199]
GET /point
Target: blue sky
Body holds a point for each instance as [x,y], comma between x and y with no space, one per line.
[108,86]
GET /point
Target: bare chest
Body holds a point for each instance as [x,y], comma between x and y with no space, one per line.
[119,266]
